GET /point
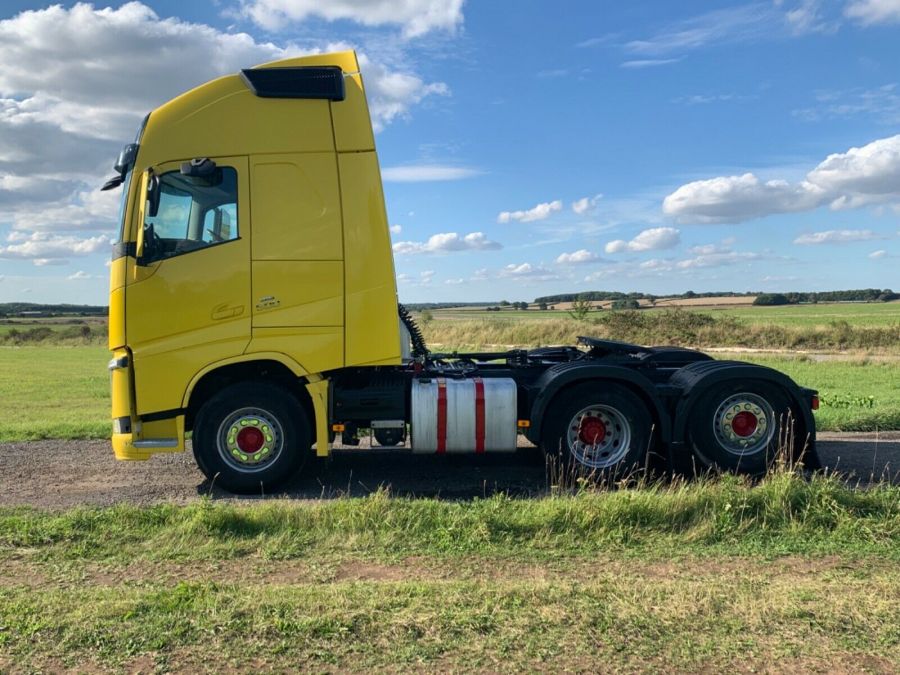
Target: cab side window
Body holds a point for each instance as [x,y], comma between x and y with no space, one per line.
[193,213]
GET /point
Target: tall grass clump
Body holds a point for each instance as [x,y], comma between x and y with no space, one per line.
[676,327]
[785,513]
[56,334]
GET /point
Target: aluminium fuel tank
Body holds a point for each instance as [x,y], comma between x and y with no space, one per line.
[463,415]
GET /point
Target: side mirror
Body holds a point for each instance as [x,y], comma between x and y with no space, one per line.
[200,167]
[126,158]
[153,196]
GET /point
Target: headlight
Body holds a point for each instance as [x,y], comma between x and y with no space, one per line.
[122,425]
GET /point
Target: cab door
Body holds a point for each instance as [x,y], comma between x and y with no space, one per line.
[188,287]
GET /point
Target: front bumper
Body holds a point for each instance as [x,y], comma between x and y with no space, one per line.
[135,439]
[150,438]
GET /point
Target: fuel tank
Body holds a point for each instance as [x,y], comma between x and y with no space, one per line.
[463,415]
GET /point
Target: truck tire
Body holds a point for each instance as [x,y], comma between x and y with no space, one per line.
[251,437]
[599,428]
[737,427]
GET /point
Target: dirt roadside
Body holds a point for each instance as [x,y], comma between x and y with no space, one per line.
[55,474]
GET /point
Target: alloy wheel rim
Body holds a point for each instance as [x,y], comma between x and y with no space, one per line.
[598,436]
[250,440]
[744,424]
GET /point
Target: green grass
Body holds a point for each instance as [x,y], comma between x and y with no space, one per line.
[714,574]
[784,514]
[807,316]
[54,392]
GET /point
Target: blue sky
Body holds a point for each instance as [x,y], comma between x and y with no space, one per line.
[559,147]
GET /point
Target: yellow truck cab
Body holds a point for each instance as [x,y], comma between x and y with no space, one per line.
[253,303]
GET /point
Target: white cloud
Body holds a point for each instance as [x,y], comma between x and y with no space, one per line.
[878,255]
[835,237]
[654,239]
[391,93]
[581,206]
[656,265]
[882,103]
[708,249]
[396,229]
[423,279]
[527,271]
[421,173]
[868,12]
[750,22]
[647,63]
[416,17]
[454,282]
[861,175]
[80,274]
[539,212]
[448,242]
[45,248]
[578,257]
[865,175]
[82,210]
[720,259]
[730,199]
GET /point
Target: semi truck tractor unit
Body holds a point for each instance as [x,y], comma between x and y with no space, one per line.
[253,305]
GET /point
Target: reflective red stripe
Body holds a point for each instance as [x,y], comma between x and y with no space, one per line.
[442,417]
[479,415]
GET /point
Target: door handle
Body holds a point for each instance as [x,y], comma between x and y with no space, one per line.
[226,311]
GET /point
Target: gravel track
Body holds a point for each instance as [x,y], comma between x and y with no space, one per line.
[56,474]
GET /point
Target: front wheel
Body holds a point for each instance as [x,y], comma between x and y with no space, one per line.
[599,428]
[251,437]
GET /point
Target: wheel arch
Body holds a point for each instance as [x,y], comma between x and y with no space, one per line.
[558,379]
[270,367]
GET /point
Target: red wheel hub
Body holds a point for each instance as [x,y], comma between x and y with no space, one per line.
[250,440]
[744,423]
[592,431]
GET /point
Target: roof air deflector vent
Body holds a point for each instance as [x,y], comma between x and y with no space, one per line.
[317,82]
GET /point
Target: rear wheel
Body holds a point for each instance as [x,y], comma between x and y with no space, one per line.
[737,426]
[251,437]
[598,428]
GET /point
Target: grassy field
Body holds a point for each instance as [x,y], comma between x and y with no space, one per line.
[54,392]
[711,575]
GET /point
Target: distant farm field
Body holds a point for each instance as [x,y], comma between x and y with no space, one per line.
[823,314]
